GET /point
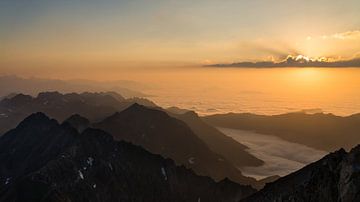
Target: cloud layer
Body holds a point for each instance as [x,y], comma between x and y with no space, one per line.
[295,61]
[280,156]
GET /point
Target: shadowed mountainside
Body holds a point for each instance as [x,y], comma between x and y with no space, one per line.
[161,134]
[217,141]
[321,131]
[45,161]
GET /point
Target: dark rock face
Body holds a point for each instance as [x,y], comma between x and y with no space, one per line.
[42,160]
[94,106]
[161,134]
[336,177]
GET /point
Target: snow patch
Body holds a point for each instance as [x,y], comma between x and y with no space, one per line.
[7,181]
[81,175]
[163,173]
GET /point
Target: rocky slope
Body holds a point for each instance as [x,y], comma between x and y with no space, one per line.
[336,177]
[42,160]
[161,134]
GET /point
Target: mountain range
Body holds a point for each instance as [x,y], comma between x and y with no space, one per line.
[93,106]
[42,160]
[33,86]
[218,162]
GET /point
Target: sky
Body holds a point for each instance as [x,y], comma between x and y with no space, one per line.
[44,34]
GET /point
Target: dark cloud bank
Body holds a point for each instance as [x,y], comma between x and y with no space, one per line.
[293,62]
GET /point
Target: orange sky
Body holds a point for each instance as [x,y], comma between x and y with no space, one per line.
[85,37]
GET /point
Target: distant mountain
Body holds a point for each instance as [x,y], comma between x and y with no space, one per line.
[42,160]
[336,177]
[161,134]
[94,106]
[321,131]
[219,142]
[33,86]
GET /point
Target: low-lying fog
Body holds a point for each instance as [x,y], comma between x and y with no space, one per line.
[280,156]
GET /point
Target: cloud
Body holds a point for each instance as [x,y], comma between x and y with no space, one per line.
[344,35]
[296,61]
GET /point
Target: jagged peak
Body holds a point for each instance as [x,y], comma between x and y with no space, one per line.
[76,118]
[37,118]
